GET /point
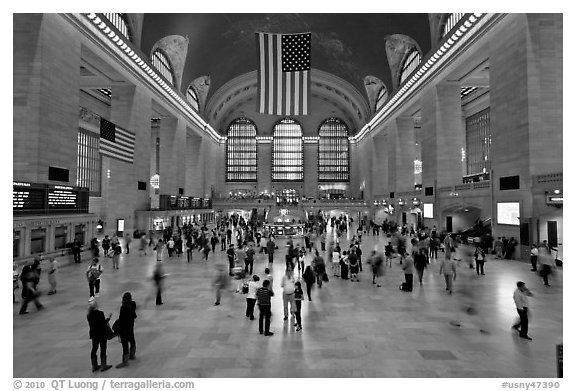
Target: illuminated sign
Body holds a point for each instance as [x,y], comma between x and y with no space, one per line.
[508,213]
[428,211]
[557,199]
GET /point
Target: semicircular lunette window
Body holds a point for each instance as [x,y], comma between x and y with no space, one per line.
[333,151]
[287,151]
[410,65]
[451,21]
[192,98]
[120,21]
[162,64]
[241,151]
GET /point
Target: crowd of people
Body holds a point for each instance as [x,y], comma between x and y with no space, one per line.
[340,256]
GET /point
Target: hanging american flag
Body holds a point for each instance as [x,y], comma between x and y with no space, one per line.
[284,73]
[116,142]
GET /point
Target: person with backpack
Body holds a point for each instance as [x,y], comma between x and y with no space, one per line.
[93,276]
[106,245]
[309,279]
[116,251]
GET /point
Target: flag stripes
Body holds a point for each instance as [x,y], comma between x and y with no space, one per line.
[283,74]
[116,142]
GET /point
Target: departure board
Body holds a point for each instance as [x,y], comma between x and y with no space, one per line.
[27,197]
[62,197]
[40,198]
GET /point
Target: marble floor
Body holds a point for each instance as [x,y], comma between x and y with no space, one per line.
[350,329]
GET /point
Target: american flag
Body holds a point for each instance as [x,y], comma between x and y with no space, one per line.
[284,73]
[116,142]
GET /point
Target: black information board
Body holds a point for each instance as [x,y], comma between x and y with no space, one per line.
[560,359]
[171,202]
[40,198]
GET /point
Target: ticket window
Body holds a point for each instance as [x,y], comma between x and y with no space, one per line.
[60,234]
[38,241]
[79,233]
[16,244]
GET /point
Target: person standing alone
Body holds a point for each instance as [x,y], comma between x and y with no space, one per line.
[263,294]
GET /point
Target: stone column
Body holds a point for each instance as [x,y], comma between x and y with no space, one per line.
[380,165]
[45,96]
[442,135]
[310,169]
[130,110]
[264,149]
[172,151]
[405,154]
[194,165]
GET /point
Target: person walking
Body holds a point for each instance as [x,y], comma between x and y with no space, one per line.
[231,259]
[263,295]
[534,257]
[448,269]
[159,248]
[354,263]
[546,263]
[253,286]
[377,263]
[408,267]
[309,279]
[116,251]
[143,245]
[206,251]
[52,270]
[319,269]
[95,247]
[98,326]
[189,247]
[126,329]
[270,248]
[220,281]
[158,276]
[93,274]
[298,296]
[28,278]
[128,240]
[420,263]
[249,261]
[170,245]
[106,245]
[76,249]
[520,297]
[288,287]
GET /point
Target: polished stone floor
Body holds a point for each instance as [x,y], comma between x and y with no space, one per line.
[350,329]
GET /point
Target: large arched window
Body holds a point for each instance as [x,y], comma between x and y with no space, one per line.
[287,151]
[451,21]
[241,163]
[120,21]
[410,64]
[333,151]
[192,98]
[161,62]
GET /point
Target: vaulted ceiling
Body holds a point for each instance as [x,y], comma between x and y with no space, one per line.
[223,46]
